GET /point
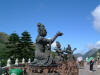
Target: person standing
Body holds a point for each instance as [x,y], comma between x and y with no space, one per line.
[91,65]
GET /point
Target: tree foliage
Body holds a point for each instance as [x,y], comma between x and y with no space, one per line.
[13,51]
[3,40]
[15,46]
[27,46]
[20,47]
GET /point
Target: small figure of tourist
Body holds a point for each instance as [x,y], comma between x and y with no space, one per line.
[91,65]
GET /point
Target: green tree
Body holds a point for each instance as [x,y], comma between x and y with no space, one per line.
[13,46]
[27,46]
[3,49]
[3,40]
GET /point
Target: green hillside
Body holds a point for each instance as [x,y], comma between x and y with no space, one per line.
[95,54]
[3,40]
[90,53]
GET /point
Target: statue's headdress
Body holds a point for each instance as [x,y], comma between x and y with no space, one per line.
[58,44]
[69,47]
[41,30]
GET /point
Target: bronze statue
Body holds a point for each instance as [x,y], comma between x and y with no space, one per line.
[43,44]
[59,51]
[69,52]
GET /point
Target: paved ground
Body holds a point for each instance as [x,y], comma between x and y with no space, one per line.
[85,71]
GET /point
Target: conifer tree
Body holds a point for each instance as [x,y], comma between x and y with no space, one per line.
[13,46]
[27,46]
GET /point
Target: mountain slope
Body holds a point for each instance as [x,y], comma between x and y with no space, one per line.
[78,55]
[95,54]
[90,52]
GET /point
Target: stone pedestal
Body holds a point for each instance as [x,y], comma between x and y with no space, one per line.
[65,68]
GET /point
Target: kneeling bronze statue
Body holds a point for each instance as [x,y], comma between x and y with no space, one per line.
[43,47]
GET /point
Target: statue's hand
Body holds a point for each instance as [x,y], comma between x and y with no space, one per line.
[74,49]
[59,34]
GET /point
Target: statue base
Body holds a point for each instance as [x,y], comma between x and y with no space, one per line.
[44,61]
[65,68]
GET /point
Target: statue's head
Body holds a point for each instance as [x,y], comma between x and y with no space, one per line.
[69,47]
[58,44]
[41,30]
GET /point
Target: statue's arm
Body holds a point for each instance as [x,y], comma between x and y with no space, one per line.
[43,39]
[54,38]
[74,49]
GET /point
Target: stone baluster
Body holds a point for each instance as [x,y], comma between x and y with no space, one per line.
[29,60]
[16,62]
[8,62]
[23,61]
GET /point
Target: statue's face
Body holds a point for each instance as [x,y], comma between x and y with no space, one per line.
[58,44]
[68,45]
[42,31]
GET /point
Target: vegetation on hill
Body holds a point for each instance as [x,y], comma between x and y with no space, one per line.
[90,52]
[20,47]
[3,40]
[15,46]
[95,54]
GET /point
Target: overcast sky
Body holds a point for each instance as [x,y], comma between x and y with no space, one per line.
[79,20]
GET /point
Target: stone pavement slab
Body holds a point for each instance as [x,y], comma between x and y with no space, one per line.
[85,71]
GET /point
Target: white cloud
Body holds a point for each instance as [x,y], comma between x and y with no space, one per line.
[96,16]
[91,46]
[98,45]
